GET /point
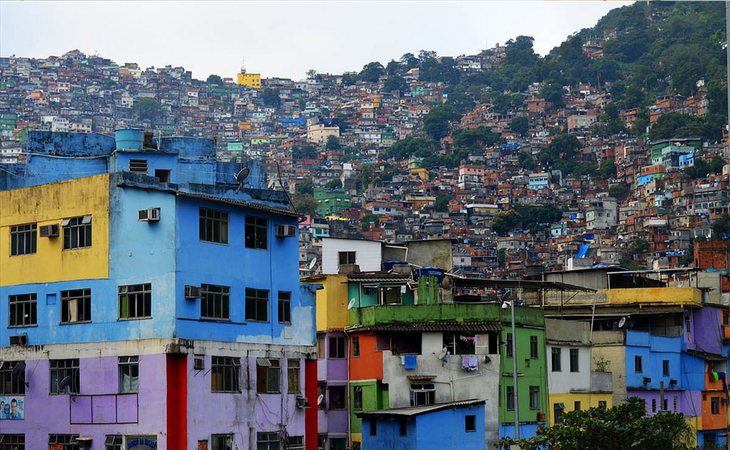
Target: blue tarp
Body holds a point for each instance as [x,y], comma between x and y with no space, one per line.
[583,250]
[429,271]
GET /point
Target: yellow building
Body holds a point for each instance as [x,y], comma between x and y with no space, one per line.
[252,80]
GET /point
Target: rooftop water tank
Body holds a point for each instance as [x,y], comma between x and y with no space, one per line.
[129,139]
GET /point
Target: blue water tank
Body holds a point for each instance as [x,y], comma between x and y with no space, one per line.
[129,139]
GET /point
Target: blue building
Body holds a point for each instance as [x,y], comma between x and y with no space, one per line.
[141,278]
[441,426]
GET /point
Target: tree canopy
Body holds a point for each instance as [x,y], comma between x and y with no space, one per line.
[214,79]
[437,122]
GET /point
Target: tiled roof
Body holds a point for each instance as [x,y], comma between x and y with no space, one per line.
[475,326]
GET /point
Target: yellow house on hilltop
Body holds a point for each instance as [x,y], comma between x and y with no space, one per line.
[250,79]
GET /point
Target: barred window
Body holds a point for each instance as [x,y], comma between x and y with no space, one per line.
[257,305]
[293,368]
[60,370]
[12,442]
[226,372]
[10,385]
[129,374]
[267,441]
[257,233]
[76,306]
[267,376]
[76,232]
[213,226]
[113,442]
[215,302]
[23,239]
[284,307]
[63,441]
[23,310]
[135,301]
[221,442]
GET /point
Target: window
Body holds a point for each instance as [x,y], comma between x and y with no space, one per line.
[257,233]
[62,441]
[62,369]
[653,405]
[470,423]
[320,347]
[267,376]
[533,347]
[725,317]
[293,369]
[113,442]
[12,442]
[23,239]
[404,427]
[509,345]
[558,412]
[128,374]
[295,443]
[602,404]
[76,306]
[340,444]
[458,344]
[10,385]
[135,301]
[221,442]
[637,364]
[510,398]
[356,346]
[257,305]
[534,397]
[337,348]
[225,373]
[357,398]
[665,367]
[284,307]
[138,166]
[423,394]
[373,427]
[22,310]
[346,258]
[213,226]
[267,441]
[675,404]
[76,232]
[556,359]
[337,397]
[574,360]
[715,405]
[215,302]
[576,406]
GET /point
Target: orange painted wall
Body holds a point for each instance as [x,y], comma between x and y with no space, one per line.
[369,365]
[713,421]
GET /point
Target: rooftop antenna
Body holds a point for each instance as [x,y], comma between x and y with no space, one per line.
[241,177]
[243,64]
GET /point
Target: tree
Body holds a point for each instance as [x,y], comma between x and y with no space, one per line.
[553,93]
[306,186]
[717,163]
[618,191]
[622,427]
[525,160]
[442,202]
[334,183]
[148,109]
[502,256]
[333,142]
[312,74]
[607,170]
[371,72]
[409,60]
[505,221]
[395,83]
[369,219]
[700,169]
[214,79]
[721,227]
[520,125]
[639,245]
[271,98]
[436,122]
[305,203]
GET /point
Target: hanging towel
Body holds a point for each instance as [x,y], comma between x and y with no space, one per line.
[714,376]
[473,363]
[723,377]
[465,362]
[411,362]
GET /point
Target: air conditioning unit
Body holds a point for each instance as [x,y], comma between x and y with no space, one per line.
[148,215]
[647,380]
[541,417]
[192,292]
[286,231]
[302,403]
[672,382]
[50,230]
[19,339]
[198,364]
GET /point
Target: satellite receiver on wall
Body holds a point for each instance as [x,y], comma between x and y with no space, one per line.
[311,264]
[65,385]
[351,303]
[19,372]
[320,399]
[622,322]
[241,177]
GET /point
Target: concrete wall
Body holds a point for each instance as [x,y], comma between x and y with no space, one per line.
[566,381]
[367,254]
[615,358]
[436,253]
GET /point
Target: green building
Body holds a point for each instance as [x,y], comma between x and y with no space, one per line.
[331,201]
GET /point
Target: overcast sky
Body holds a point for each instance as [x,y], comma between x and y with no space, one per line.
[282,39]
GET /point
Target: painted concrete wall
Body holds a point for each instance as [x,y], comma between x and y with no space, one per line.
[50,204]
[708,330]
[436,253]
[587,400]
[565,380]
[367,254]
[653,351]
[332,303]
[609,348]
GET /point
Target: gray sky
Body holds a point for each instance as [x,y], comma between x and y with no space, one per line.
[283,39]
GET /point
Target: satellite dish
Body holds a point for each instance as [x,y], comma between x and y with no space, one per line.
[241,177]
[351,304]
[311,264]
[443,353]
[622,322]
[19,370]
[65,384]
[320,399]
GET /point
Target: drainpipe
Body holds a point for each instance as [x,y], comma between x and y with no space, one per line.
[514,370]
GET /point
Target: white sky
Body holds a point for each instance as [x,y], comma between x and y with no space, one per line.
[282,39]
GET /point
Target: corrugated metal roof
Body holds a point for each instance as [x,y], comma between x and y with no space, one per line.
[412,411]
[444,325]
[383,277]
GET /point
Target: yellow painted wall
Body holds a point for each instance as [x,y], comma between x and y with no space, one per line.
[48,204]
[332,303]
[696,424]
[669,295]
[250,79]
[587,400]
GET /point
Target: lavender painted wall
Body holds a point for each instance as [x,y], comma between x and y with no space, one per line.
[689,403]
[333,371]
[99,380]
